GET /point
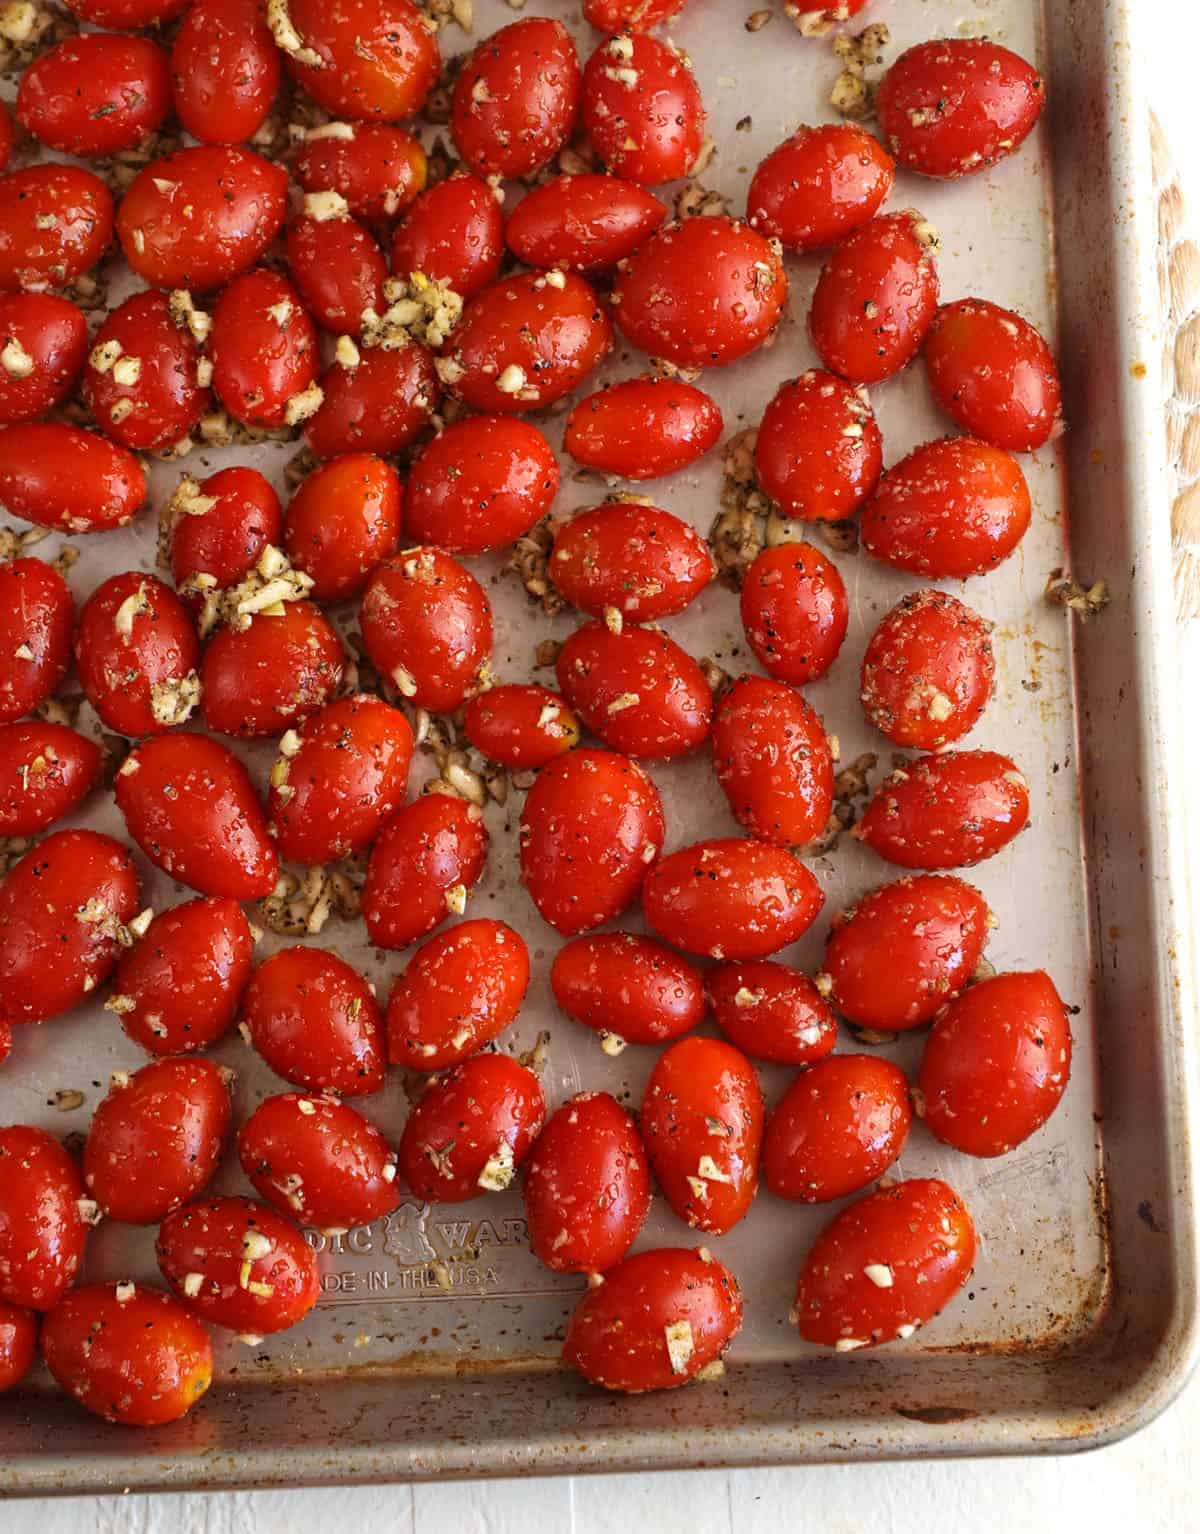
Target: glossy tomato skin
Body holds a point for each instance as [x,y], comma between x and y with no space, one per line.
[818,452]
[338,267]
[592,825]
[731,898]
[316,1023]
[190,806]
[949,810]
[638,560]
[771,1012]
[773,761]
[37,614]
[377,168]
[516,98]
[128,1353]
[142,382]
[156,1139]
[885,1265]
[18,1344]
[996,1064]
[819,185]
[520,725]
[953,106]
[794,611]
[643,427]
[876,297]
[136,654]
[45,342]
[627,988]
[68,479]
[630,15]
[453,232]
[423,864]
[701,293]
[379,406]
[994,374]
[374,59]
[221,527]
[461,989]
[584,223]
[95,94]
[927,672]
[642,109]
[45,771]
[177,989]
[61,909]
[343,521]
[264,349]
[587,1186]
[128,14]
[225,70]
[42,1229]
[56,221]
[6,138]
[263,679]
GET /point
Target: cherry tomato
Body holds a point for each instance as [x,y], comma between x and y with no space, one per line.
[516,98]
[63,913]
[177,989]
[461,989]
[56,221]
[237,1263]
[946,811]
[771,1012]
[885,1266]
[37,615]
[818,452]
[427,626]
[361,59]
[143,378]
[42,1226]
[630,15]
[876,297]
[630,558]
[480,484]
[952,106]
[994,374]
[814,18]
[471,1130]
[6,138]
[220,529]
[927,671]
[587,1186]
[45,771]
[129,14]
[156,1139]
[237,201]
[342,522]
[526,341]
[377,168]
[628,989]
[643,428]
[128,1353]
[18,1344]
[773,762]
[818,185]
[190,806]
[316,1023]
[136,652]
[6,1041]
[453,233]
[63,477]
[642,109]
[95,94]
[319,1160]
[43,345]
[794,611]
[586,223]
[264,351]
[637,690]
[336,263]
[731,898]
[591,827]
[423,864]
[380,404]
[225,70]
[520,725]
[263,679]
[996,1063]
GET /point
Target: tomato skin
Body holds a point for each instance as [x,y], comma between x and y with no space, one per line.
[642,109]
[319,1161]
[627,987]
[946,811]
[18,1344]
[339,269]
[423,863]
[56,221]
[378,57]
[316,1023]
[380,406]
[875,298]
[346,776]
[513,725]
[771,1012]
[731,898]
[994,374]
[263,679]
[224,539]
[596,552]
[592,825]
[177,989]
[45,771]
[471,1130]
[42,1230]
[461,989]
[165,399]
[584,223]
[818,185]
[53,336]
[225,70]
[68,479]
[139,1359]
[134,647]
[772,759]
[794,611]
[927,672]
[264,348]
[95,94]
[128,14]
[343,521]
[6,138]
[643,427]
[920,1231]
[37,611]
[453,232]
[190,806]
[378,168]
[59,908]
[630,15]
[516,98]
[996,1064]
[818,452]
[587,1186]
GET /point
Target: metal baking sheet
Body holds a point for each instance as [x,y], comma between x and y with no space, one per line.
[1079,1321]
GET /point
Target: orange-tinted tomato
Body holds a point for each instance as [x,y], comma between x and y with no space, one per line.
[771,1012]
[520,725]
[95,94]
[642,562]
[642,109]
[379,405]
[142,382]
[263,679]
[994,374]
[37,616]
[220,529]
[65,478]
[643,428]
[337,265]
[818,185]
[773,761]
[56,221]
[637,690]
[343,521]
[516,97]
[630,15]
[42,1226]
[927,671]
[627,988]
[45,340]
[362,59]
[587,223]
[453,232]
[136,653]
[946,811]
[45,771]
[377,168]
[794,611]
[264,350]
[18,1344]
[423,864]
[225,70]
[818,452]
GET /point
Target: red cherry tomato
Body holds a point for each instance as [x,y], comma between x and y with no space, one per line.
[814,18]
[43,344]
[885,1266]
[643,428]
[6,138]
[996,1063]
[461,989]
[480,484]
[190,806]
[156,1139]
[128,1353]
[264,351]
[343,521]
[6,1041]
[818,185]
[129,14]
[263,679]
[237,201]
[378,405]
[42,1226]
[772,759]
[423,864]
[586,223]
[63,911]
[257,1274]
[876,297]
[177,989]
[771,1012]
[136,652]
[95,94]
[336,263]
[45,771]
[587,1186]
[818,452]
[18,1344]
[731,898]
[220,529]
[955,105]
[319,1160]
[143,378]
[225,70]
[630,15]
[591,827]
[37,616]
[454,233]
[516,98]
[946,811]
[377,168]
[628,989]
[658,1320]
[56,221]
[69,479]
[362,59]
[316,1023]
[642,109]
[635,559]
[927,671]
[994,374]
[520,725]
